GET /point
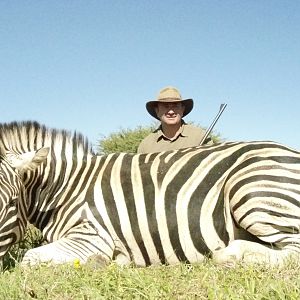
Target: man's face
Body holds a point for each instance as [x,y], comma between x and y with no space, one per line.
[170,113]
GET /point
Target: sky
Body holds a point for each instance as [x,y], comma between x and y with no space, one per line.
[91,66]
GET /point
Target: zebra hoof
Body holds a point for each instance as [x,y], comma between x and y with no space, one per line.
[225,258]
[227,262]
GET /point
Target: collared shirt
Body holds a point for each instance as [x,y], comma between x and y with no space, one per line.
[189,136]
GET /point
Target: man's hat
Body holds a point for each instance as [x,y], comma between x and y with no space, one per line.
[169,94]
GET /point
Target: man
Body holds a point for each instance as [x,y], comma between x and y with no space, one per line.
[173,133]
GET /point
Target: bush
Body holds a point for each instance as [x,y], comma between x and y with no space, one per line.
[126,140]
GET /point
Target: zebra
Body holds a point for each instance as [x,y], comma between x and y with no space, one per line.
[232,201]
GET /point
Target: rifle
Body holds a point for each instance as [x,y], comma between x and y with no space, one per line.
[209,129]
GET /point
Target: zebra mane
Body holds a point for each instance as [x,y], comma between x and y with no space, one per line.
[30,135]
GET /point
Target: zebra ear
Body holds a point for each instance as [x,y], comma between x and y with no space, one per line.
[28,160]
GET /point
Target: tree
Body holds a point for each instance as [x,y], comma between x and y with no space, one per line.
[128,140]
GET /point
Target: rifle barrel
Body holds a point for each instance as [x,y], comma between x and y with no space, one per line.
[210,128]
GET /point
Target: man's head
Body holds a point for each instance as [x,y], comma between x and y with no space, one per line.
[169,107]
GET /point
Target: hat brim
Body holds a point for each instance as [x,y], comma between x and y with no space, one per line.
[151,105]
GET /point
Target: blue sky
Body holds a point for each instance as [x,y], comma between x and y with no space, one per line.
[90,66]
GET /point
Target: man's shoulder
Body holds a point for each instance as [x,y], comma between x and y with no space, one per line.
[147,142]
[196,134]
[189,128]
[150,137]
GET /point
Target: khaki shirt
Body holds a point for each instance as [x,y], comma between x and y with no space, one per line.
[156,141]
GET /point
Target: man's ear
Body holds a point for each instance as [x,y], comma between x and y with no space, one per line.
[28,160]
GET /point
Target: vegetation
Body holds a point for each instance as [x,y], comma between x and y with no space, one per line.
[201,281]
[126,140]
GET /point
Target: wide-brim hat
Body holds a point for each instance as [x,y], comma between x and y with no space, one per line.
[169,95]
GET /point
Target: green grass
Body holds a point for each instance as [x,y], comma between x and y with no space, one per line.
[201,281]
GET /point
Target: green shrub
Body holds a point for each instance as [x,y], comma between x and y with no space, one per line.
[126,140]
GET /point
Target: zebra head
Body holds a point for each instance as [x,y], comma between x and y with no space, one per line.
[13,208]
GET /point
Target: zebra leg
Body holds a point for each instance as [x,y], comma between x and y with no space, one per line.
[248,252]
[80,243]
[277,238]
[57,252]
[62,251]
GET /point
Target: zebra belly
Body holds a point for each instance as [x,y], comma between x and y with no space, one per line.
[163,241]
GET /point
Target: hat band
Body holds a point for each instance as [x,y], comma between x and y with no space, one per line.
[165,99]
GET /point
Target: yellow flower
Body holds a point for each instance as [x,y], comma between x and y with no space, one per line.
[76,263]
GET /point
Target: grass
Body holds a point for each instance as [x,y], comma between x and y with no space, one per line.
[199,281]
